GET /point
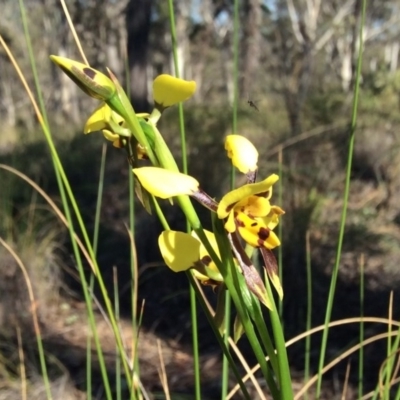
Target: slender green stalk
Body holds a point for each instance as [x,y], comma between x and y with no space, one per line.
[56,164]
[133,258]
[265,336]
[65,184]
[100,190]
[236,32]
[41,102]
[193,307]
[345,201]
[230,274]
[225,361]
[280,228]
[362,334]
[285,382]
[135,277]
[88,301]
[307,354]
[118,356]
[221,342]
[91,280]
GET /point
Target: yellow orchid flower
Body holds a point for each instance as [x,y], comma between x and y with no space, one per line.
[182,251]
[168,90]
[164,183]
[249,211]
[107,121]
[243,153]
[92,82]
[113,127]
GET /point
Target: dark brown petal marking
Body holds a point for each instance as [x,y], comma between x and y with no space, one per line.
[239,223]
[229,208]
[206,260]
[254,224]
[263,235]
[89,72]
[263,194]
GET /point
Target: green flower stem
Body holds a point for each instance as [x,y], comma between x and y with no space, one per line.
[221,342]
[162,151]
[185,170]
[362,330]
[229,271]
[264,334]
[121,104]
[155,116]
[285,381]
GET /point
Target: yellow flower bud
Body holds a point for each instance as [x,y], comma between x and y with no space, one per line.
[92,82]
[242,152]
[168,90]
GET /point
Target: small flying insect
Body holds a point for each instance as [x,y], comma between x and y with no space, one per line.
[252,104]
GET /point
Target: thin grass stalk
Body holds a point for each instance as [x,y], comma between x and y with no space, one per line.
[133,255]
[285,382]
[338,359]
[193,306]
[265,338]
[56,161]
[135,280]
[89,307]
[280,227]
[397,397]
[118,387]
[35,318]
[220,340]
[307,346]
[227,301]
[230,274]
[335,271]
[391,370]
[45,124]
[60,169]
[362,332]
[386,370]
[91,279]
[22,368]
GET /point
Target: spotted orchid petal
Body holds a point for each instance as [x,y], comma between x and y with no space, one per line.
[255,232]
[232,198]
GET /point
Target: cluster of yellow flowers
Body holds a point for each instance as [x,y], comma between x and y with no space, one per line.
[246,211]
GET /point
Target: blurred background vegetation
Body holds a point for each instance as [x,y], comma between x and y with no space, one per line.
[297,64]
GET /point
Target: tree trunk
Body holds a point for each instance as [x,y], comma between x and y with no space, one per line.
[250,45]
[137,20]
